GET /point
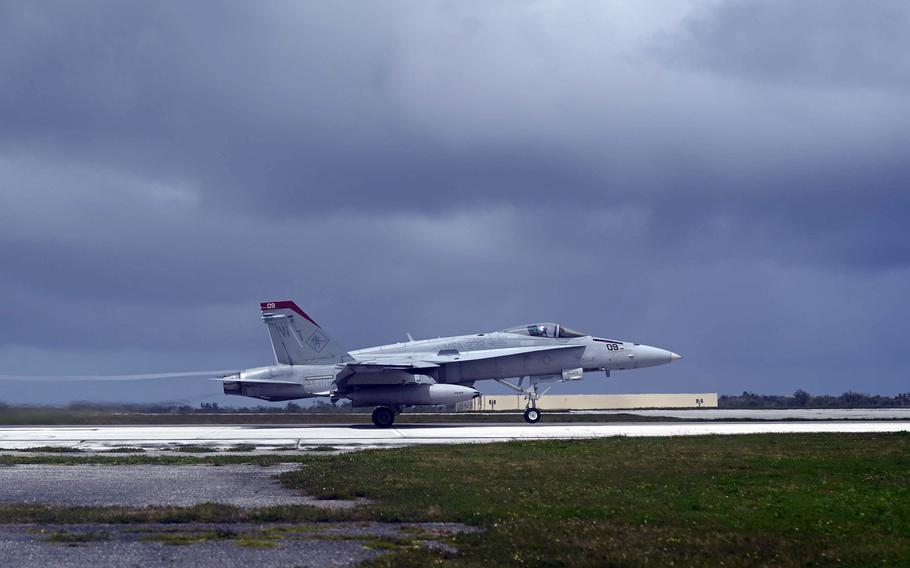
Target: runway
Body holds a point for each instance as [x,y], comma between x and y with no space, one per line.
[162,438]
[766,413]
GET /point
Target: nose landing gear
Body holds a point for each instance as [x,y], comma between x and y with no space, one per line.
[532,394]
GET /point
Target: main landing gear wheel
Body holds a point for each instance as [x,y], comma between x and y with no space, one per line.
[532,416]
[383,417]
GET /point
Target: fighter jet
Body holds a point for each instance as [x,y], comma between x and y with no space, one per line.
[430,371]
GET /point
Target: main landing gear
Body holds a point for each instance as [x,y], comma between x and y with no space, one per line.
[532,415]
[384,417]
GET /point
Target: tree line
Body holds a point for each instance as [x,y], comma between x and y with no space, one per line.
[802,399]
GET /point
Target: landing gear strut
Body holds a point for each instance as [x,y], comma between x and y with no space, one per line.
[531,394]
[383,417]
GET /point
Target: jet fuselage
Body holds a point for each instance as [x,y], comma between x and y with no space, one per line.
[543,352]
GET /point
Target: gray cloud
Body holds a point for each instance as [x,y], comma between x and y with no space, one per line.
[696,176]
[813,44]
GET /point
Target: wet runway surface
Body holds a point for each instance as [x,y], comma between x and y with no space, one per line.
[292,438]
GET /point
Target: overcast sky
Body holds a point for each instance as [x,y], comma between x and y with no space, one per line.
[728,180]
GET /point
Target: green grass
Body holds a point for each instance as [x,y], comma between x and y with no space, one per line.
[17,513]
[180,538]
[733,500]
[782,500]
[192,449]
[76,538]
[49,449]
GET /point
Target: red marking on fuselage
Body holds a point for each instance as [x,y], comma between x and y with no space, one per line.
[287,305]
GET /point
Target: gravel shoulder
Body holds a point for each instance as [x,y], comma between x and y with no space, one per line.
[215,545]
[241,485]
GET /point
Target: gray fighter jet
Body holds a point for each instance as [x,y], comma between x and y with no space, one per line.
[431,371]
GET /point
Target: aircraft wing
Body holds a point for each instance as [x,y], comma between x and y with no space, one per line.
[387,371]
[401,369]
[496,353]
[391,363]
[433,360]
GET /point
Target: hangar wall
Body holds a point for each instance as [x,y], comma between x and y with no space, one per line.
[592,401]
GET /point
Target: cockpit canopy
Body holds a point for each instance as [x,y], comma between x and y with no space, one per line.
[545,330]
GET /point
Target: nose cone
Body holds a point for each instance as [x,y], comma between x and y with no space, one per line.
[647,356]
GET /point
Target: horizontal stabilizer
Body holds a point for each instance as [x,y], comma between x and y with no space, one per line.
[234,379]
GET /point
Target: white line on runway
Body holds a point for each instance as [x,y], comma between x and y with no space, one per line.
[162,437]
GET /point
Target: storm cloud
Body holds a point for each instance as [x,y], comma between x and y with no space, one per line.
[724,179]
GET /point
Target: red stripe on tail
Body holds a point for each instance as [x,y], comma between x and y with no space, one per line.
[286,304]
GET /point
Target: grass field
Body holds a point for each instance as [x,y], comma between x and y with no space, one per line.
[778,500]
[726,500]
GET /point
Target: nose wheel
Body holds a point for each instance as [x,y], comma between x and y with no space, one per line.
[531,394]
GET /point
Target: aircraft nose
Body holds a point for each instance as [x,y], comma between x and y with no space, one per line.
[647,356]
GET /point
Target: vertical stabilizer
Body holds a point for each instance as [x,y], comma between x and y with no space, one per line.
[297,339]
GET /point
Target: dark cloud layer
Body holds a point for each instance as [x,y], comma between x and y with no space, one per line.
[724,179]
